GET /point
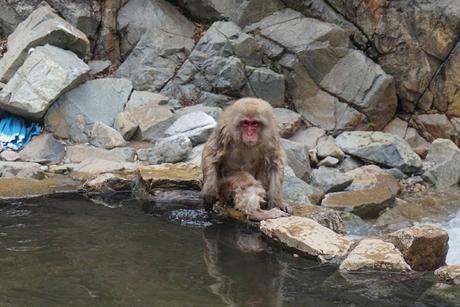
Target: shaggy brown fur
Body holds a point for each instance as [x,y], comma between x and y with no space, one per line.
[246,176]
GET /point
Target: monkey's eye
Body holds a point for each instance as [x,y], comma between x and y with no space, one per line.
[250,123]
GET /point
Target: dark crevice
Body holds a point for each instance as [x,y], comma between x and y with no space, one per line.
[370,42]
[440,67]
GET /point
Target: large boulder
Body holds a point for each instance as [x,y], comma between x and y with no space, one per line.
[105,136]
[374,255]
[85,15]
[307,237]
[42,27]
[21,170]
[171,176]
[155,40]
[443,163]
[74,113]
[365,204]
[297,158]
[297,190]
[331,85]
[370,177]
[46,74]
[381,148]
[410,42]
[435,126]
[309,136]
[43,149]
[442,93]
[288,121]
[330,179]
[197,126]
[224,64]
[92,167]
[423,246]
[449,274]
[172,149]
[151,112]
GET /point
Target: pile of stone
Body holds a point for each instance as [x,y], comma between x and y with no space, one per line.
[130,91]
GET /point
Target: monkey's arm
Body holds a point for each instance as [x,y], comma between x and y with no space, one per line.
[276,175]
[209,164]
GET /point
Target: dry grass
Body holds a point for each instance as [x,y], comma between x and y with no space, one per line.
[200,29]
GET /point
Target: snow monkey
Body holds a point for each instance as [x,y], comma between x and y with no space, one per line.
[243,162]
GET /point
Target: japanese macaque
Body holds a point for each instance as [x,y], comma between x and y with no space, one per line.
[243,162]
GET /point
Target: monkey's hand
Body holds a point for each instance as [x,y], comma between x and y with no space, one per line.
[279,203]
[209,195]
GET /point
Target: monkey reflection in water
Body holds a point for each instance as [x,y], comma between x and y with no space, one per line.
[245,274]
[243,161]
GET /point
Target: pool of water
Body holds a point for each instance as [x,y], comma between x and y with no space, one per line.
[69,251]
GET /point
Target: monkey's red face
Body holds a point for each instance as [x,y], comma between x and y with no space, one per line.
[250,130]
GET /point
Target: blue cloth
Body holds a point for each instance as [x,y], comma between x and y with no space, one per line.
[14,133]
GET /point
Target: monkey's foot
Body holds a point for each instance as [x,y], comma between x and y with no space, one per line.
[260,215]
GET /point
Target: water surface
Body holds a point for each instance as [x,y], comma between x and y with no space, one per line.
[69,251]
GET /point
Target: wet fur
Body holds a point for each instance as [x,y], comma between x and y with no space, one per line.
[248,177]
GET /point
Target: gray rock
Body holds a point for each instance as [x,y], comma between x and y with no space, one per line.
[81,152]
[264,83]
[216,66]
[397,127]
[326,147]
[375,255]
[170,150]
[423,246]
[449,274]
[72,115]
[401,35]
[371,177]
[297,158]
[21,170]
[46,74]
[105,136]
[288,122]
[332,71]
[417,142]
[307,237]
[442,92]
[382,148]
[148,110]
[41,27]
[330,179]
[197,126]
[155,59]
[94,166]
[83,14]
[435,126]
[9,155]
[328,161]
[444,164]
[194,156]
[365,204]
[139,18]
[98,66]
[309,136]
[297,190]
[269,48]
[126,125]
[241,12]
[324,11]
[349,163]
[44,149]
